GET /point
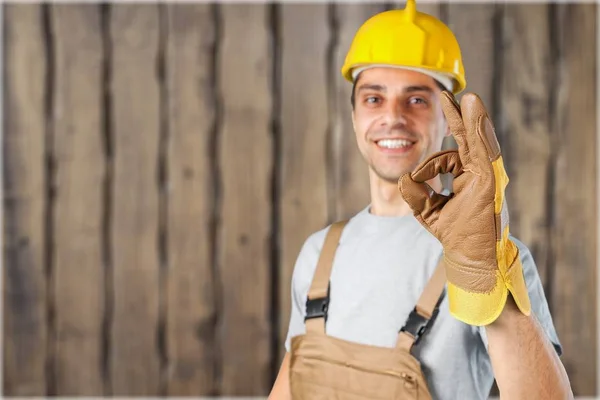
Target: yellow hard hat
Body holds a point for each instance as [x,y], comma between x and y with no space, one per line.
[410,39]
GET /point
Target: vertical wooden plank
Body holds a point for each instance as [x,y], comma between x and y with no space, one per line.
[191,115]
[350,191]
[79,167]
[473,26]
[304,134]
[245,161]
[523,125]
[24,277]
[135,114]
[574,285]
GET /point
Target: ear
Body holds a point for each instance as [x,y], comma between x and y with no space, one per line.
[444,122]
[353,121]
[448,131]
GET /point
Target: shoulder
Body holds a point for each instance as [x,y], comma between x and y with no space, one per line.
[313,244]
[310,251]
[311,248]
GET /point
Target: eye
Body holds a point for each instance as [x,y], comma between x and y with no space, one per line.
[372,100]
[418,101]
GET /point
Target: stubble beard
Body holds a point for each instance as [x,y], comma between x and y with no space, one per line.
[390,177]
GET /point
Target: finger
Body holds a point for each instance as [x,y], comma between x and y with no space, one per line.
[454,117]
[480,129]
[422,199]
[442,162]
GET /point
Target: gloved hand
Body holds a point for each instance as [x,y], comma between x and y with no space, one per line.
[482,263]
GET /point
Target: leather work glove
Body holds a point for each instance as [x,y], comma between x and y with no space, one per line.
[482,264]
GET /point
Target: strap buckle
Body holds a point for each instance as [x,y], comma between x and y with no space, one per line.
[417,325]
[317,308]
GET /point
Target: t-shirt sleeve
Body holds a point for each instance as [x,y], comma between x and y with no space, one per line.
[537,297]
[304,269]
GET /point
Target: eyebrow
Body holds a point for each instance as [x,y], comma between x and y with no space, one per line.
[409,89]
[422,88]
[377,88]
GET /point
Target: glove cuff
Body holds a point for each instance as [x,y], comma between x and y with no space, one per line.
[476,308]
[515,282]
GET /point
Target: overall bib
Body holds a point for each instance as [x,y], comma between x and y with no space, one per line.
[323,367]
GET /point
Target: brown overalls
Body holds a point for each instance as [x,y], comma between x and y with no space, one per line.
[324,367]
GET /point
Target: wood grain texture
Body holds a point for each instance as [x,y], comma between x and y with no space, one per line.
[191,100]
[79,168]
[304,134]
[135,111]
[574,288]
[24,277]
[523,125]
[350,183]
[245,162]
[473,26]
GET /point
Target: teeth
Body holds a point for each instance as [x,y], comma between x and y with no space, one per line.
[394,144]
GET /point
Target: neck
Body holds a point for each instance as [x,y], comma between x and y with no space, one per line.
[386,199]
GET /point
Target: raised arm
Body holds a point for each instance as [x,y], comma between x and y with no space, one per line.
[525,363]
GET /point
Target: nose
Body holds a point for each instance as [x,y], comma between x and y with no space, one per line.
[394,115]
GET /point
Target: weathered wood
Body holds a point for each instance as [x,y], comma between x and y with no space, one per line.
[304,137]
[24,278]
[574,191]
[135,111]
[473,26]
[191,115]
[79,170]
[246,162]
[523,125]
[350,183]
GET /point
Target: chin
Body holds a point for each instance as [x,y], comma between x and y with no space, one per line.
[391,177]
[392,170]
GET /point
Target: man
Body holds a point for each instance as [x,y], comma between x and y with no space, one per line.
[494,321]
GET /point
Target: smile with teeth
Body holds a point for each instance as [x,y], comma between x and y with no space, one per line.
[394,143]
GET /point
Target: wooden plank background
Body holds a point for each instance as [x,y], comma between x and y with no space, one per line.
[163,165]
[191,120]
[77,174]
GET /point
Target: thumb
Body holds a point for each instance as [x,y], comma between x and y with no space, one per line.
[423,200]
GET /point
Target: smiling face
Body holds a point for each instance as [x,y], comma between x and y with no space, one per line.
[398,120]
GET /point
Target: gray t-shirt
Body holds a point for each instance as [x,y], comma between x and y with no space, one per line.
[380,269]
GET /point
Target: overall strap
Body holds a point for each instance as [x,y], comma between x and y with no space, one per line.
[317,303]
[424,313]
